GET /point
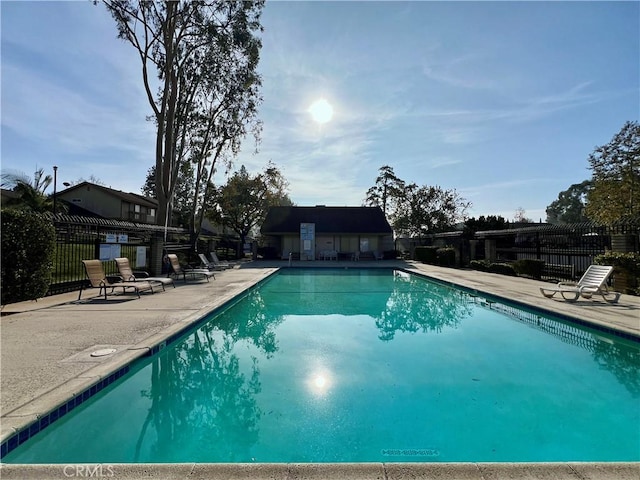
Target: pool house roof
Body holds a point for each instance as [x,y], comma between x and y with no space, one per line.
[328,220]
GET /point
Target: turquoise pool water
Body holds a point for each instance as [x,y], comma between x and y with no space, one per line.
[362,366]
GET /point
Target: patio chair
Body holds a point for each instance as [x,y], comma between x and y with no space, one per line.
[594,281]
[180,271]
[97,279]
[331,255]
[216,261]
[129,275]
[205,263]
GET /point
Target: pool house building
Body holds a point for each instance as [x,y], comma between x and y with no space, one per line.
[327,233]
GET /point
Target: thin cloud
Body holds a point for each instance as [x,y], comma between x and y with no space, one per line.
[63,116]
[504,185]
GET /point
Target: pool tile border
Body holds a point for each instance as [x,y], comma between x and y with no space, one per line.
[42,422]
[517,303]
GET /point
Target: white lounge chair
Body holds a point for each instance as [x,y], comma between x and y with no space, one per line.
[216,261]
[594,281]
[205,263]
[179,271]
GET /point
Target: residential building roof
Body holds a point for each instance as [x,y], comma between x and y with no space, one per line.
[127,197]
[328,220]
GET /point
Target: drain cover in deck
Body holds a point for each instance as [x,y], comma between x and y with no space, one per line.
[103,352]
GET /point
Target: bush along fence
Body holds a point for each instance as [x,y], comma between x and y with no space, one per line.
[28,246]
[546,252]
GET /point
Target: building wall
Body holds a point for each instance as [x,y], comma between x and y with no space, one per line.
[324,242]
[290,243]
[340,243]
[94,200]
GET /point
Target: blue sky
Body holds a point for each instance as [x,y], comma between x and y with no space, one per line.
[502,101]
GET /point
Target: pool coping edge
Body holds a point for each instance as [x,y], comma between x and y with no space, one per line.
[351,471]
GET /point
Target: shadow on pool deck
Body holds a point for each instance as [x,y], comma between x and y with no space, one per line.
[42,364]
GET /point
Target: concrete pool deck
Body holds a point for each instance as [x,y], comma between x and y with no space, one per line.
[46,359]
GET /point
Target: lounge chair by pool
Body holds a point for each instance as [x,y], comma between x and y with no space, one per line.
[217,262]
[128,275]
[594,281]
[205,263]
[180,271]
[97,279]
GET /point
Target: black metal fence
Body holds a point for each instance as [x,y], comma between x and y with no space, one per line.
[81,238]
[567,250]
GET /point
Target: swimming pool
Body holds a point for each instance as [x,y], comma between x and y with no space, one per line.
[361,366]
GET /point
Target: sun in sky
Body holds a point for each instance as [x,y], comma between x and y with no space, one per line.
[321,111]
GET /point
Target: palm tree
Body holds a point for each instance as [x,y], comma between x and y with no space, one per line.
[30,194]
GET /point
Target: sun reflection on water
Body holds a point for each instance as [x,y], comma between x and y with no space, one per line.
[319,382]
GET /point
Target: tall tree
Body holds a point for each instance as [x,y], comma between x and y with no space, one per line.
[616,177]
[520,216]
[92,179]
[429,209]
[184,192]
[570,205]
[386,192]
[205,55]
[242,203]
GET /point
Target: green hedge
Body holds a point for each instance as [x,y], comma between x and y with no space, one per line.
[427,254]
[629,262]
[481,265]
[446,256]
[28,246]
[503,269]
[626,270]
[531,268]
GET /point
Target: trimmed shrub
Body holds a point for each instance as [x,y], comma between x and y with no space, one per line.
[481,265]
[630,262]
[529,267]
[391,254]
[626,270]
[446,256]
[427,255]
[28,247]
[268,253]
[502,269]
